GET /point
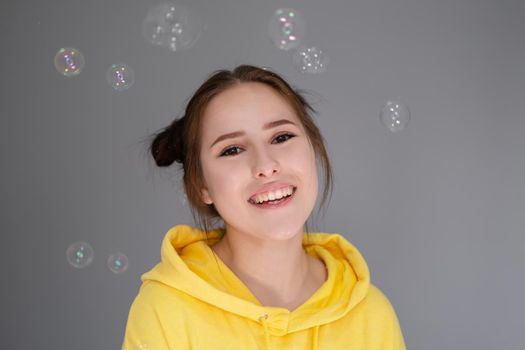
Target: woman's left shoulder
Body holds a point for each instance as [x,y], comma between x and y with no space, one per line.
[378,300]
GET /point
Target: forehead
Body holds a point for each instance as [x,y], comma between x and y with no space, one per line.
[247,103]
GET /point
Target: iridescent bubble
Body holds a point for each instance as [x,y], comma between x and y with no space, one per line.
[395,115]
[118,262]
[172,25]
[310,60]
[120,76]
[79,254]
[286,28]
[69,61]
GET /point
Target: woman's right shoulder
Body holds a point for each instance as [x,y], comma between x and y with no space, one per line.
[155,318]
[157,295]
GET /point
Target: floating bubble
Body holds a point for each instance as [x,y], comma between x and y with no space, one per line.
[118,262]
[172,25]
[79,254]
[310,60]
[69,61]
[286,28]
[395,115]
[120,76]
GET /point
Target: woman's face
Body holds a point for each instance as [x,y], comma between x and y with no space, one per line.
[261,155]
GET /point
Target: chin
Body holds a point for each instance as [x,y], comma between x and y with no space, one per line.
[280,231]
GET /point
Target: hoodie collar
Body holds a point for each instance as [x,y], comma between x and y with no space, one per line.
[188,265]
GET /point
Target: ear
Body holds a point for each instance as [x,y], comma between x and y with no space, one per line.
[205,196]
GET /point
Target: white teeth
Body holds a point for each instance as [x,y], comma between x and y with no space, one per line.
[274,195]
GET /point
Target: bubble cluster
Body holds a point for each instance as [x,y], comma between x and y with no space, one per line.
[395,115]
[118,263]
[69,61]
[120,76]
[310,60]
[286,28]
[79,254]
[172,25]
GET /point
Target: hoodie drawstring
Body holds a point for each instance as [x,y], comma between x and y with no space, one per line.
[263,318]
[316,338]
[266,335]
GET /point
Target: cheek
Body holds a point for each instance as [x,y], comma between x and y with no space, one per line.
[219,177]
[302,158]
[210,174]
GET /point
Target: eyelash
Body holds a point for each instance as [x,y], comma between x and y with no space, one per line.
[223,153]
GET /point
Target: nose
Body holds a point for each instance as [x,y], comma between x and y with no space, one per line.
[265,165]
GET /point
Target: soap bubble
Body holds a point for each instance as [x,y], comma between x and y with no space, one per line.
[395,115]
[69,61]
[310,60]
[286,28]
[79,254]
[120,76]
[118,262]
[171,25]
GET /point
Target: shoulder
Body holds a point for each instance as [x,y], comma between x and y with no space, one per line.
[384,316]
[380,319]
[155,294]
[378,300]
[156,300]
[376,307]
[153,318]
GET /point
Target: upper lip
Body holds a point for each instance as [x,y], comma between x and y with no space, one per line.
[270,187]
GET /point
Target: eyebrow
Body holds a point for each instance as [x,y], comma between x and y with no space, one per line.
[269,125]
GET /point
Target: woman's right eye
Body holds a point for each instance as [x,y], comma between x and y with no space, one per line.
[227,153]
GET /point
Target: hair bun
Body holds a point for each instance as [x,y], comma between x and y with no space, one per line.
[168,145]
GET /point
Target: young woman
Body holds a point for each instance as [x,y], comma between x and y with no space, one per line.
[248,149]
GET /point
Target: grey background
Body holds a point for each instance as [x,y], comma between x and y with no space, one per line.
[437,209]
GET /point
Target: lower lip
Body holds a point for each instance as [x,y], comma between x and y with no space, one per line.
[281,204]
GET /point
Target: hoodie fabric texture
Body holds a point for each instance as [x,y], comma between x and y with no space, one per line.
[186,302]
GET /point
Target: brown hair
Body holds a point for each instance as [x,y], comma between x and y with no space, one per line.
[180,141]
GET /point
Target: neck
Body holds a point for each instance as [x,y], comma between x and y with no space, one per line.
[277,269]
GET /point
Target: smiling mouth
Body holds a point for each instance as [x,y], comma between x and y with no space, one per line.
[275,201]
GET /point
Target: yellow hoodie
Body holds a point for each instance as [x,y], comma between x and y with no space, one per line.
[185,302]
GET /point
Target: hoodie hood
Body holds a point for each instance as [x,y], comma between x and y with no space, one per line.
[188,264]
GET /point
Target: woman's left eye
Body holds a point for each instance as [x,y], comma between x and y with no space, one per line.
[286,136]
